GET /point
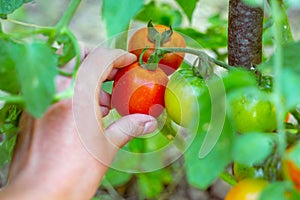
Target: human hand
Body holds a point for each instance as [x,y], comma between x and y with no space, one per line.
[52,159]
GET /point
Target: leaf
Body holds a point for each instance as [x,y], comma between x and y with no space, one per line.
[107,86]
[201,173]
[280,190]
[7,145]
[290,59]
[292,3]
[115,178]
[9,80]
[188,7]
[254,3]
[238,78]
[162,13]
[118,13]
[211,39]
[290,88]
[290,73]
[244,145]
[36,65]
[8,6]
[152,184]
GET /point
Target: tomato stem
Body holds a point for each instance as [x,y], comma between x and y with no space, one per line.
[66,18]
[171,134]
[228,178]
[152,63]
[278,15]
[12,99]
[197,53]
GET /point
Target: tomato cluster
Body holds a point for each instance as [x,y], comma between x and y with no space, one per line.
[140,87]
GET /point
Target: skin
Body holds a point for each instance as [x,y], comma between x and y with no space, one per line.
[50,160]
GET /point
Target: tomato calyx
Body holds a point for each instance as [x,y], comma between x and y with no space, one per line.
[157,38]
[202,67]
[153,60]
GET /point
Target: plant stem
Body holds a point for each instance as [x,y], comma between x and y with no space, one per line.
[66,18]
[26,24]
[228,178]
[12,98]
[197,53]
[278,63]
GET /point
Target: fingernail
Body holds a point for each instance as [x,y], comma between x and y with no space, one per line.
[131,56]
[150,126]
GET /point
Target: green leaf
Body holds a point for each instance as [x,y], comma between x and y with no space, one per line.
[254,3]
[290,73]
[290,88]
[7,145]
[292,3]
[115,178]
[238,78]
[211,39]
[188,7]
[9,80]
[152,184]
[36,65]
[279,191]
[118,13]
[201,173]
[160,14]
[244,145]
[291,58]
[107,86]
[8,6]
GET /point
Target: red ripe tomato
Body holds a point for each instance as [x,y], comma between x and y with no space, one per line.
[138,90]
[170,61]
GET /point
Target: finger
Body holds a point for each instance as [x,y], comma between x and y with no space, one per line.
[123,60]
[21,149]
[123,130]
[86,110]
[104,101]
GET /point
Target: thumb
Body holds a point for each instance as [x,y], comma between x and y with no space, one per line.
[123,130]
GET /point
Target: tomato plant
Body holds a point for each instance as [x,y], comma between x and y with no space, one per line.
[247,189]
[30,85]
[145,38]
[138,90]
[252,110]
[182,96]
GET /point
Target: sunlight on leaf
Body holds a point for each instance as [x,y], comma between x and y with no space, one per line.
[118,13]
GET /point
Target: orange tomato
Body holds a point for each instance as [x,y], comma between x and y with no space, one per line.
[247,189]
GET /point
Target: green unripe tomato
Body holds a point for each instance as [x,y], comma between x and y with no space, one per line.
[182,97]
[252,110]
